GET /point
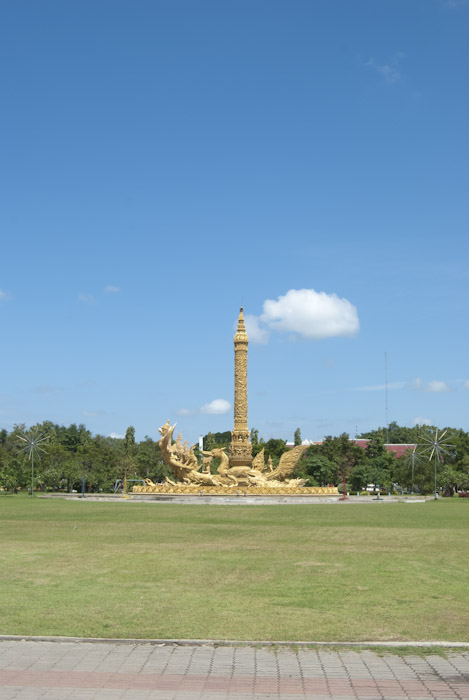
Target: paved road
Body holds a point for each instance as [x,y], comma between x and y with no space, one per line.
[32,670]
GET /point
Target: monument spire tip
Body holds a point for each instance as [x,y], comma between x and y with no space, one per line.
[241,325]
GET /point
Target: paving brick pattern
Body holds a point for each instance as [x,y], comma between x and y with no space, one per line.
[86,671]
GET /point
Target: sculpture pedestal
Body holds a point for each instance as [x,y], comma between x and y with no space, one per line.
[240,449]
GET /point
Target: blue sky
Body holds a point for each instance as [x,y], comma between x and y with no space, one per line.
[164,162]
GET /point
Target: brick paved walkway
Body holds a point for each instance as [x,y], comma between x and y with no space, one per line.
[106,671]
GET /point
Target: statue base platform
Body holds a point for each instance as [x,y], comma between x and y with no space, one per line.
[193,490]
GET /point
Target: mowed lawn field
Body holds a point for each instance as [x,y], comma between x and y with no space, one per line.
[381,571]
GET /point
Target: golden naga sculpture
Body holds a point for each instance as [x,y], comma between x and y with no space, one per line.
[183,462]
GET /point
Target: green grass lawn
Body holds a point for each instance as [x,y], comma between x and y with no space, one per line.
[343,572]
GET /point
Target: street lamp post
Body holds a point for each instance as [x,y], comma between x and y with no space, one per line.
[32,448]
[414,459]
[436,445]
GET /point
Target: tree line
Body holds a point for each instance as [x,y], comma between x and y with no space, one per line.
[339,457]
[73,457]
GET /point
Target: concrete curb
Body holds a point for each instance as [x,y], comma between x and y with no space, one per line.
[231,642]
[229,500]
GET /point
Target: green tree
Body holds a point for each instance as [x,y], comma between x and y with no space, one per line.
[217,439]
[14,473]
[150,464]
[453,480]
[395,434]
[380,474]
[380,464]
[256,443]
[52,467]
[129,441]
[274,448]
[98,464]
[209,442]
[360,477]
[222,438]
[344,453]
[297,437]
[316,468]
[127,460]
[72,472]
[73,436]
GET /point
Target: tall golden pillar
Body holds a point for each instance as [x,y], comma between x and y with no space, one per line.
[240,448]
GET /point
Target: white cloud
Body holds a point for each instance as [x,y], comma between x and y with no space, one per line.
[436,386]
[93,414]
[111,288]
[116,436]
[466,384]
[310,314]
[216,407]
[255,332]
[422,421]
[86,298]
[4,296]
[388,71]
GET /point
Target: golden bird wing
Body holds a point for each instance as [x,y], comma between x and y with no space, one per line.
[258,461]
[287,463]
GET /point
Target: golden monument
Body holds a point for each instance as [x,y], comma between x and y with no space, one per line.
[240,448]
[239,470]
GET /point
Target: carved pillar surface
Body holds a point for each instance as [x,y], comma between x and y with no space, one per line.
[240,448]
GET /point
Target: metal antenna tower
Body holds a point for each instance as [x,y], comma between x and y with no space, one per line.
[386,393]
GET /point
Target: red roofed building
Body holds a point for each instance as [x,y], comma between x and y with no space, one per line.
[399,449]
